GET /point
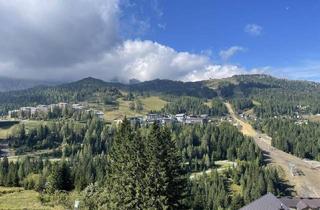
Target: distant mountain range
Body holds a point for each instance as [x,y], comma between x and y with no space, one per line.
[9,84]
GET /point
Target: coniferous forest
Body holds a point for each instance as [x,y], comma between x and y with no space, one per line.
[133,167]
[174,166]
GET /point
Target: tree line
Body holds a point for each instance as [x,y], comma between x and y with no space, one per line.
[300,139]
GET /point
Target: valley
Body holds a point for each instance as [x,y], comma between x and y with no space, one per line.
[72,130]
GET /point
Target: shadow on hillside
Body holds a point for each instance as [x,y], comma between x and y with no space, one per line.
[286,189]
[266,157]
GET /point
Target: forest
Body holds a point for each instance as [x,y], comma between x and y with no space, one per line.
[276,97]
[300,139]
[142,167]
[195,106]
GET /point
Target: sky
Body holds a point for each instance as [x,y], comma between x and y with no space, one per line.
[168,39]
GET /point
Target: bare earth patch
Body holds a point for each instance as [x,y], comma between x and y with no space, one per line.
[306,185]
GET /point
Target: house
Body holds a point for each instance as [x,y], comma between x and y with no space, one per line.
[266,202]
[271,202]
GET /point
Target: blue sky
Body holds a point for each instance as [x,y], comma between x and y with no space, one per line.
[287,42]
[186,40]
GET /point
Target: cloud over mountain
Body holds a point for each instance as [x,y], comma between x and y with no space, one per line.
[78,38]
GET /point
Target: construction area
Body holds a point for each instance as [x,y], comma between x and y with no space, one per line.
[303,174]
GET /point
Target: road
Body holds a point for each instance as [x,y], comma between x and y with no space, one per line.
[306,185]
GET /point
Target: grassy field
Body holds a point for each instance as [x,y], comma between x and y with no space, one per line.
[5,132]
[29,124]
[18,198]
[220,166]
[150,103]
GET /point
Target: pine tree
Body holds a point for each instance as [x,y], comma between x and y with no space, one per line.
[125,179]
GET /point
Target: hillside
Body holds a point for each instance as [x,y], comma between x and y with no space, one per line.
[275,96]
[9,84]
[98,91]
[88,143]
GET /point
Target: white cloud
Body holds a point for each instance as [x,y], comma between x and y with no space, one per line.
[40,34]
[225,55]
[253,29]
[78,38]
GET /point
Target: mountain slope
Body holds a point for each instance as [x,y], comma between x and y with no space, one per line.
[9,84]
[276,96]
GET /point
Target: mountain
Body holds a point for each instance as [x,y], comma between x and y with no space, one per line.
[275,96]
[9,84]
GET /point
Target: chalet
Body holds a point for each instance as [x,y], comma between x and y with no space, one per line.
[271,202]
[266,202]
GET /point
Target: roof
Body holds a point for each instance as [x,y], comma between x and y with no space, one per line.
[313,203]
[266,202]
[301,203]
[180,115]
[291,202]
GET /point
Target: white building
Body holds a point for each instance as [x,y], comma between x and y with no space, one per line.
[181,117]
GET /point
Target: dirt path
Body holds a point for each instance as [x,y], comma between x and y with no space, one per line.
[306,185]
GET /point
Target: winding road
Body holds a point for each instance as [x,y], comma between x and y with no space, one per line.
[305,185]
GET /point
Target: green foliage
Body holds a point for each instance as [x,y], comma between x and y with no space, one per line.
[201,145]
[301,140]
[143,174]
[195,106]
[59,178]
[277,96]
[242,104]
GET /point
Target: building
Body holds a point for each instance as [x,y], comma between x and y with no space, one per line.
[62,105]
[195,120]
[266,202]
[77,107]
[136,120]
[13,114]
[42,108]
[181,117]
[167,120]
[152,118]
[271,202]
